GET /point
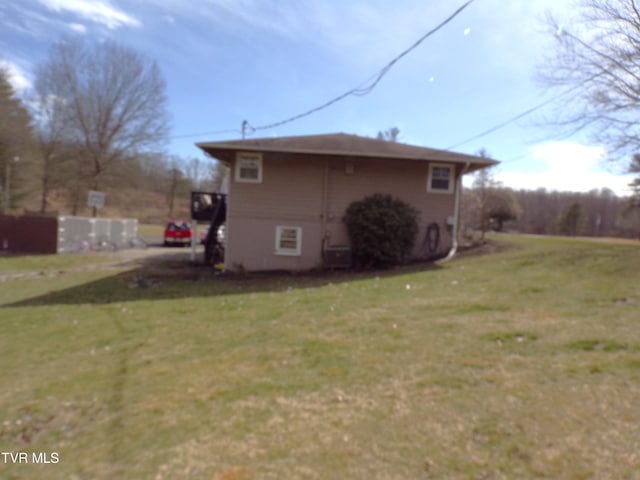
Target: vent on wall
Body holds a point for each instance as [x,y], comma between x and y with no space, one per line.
[349,169]
[338,256]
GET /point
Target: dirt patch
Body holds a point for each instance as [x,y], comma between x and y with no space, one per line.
[153,258]
[171,263]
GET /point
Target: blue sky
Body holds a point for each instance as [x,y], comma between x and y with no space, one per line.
[264,61]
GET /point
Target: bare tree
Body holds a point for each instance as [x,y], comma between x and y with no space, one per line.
[50,131]
[390,135]
[178,184]
[149,172]
[629,220]
[203,174]
[219,177]
[634,167]
[596,65]
[114,99]
[196,171]
[541,210]
[483,184]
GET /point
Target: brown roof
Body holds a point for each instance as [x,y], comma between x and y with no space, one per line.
[341,144]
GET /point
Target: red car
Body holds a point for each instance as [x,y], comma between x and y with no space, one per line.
[177,233]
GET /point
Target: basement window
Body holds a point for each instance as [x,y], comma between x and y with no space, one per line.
[288,240]
[248,167]
[440,178]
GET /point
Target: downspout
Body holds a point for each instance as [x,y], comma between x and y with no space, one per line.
[456,215]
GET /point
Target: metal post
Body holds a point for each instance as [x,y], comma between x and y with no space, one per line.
[194,239]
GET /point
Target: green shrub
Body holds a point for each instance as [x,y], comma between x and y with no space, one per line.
[382,230]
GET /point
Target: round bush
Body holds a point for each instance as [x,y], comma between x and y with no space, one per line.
[382,229]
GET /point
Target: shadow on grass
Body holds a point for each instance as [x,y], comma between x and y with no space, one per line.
[163,278]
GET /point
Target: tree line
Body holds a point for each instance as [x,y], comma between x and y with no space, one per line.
[597,213]
[490,206]
[96,119]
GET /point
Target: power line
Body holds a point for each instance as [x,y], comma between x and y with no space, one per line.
[501,125]
[475,137]
[366,87]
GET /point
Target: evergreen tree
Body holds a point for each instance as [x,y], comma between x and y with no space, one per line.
[572,220]
[15,141]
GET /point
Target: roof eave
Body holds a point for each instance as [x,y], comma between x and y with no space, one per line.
[434,156]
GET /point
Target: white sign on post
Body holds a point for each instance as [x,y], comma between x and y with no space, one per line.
[96,199]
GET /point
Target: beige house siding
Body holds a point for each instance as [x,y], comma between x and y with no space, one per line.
[290,194]
[312,193]
[407,180]
[289,190]
[251,245]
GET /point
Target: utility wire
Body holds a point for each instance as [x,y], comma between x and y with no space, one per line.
[553,99]
[505,123]
[475,137]
[366,87]
[372,82]
[514,119]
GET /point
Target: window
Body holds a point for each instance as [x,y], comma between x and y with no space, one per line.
[288,240]
[440,178]
[248,167]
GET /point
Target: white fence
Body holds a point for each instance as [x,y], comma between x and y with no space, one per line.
[73,230]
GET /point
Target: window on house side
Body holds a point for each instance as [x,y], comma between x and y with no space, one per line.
[288,241]
[440,178]
[248,167]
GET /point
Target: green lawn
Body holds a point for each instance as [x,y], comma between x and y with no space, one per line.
[520,364]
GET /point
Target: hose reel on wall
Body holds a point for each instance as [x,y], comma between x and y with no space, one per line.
[431,240]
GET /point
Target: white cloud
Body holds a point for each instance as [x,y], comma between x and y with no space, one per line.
[566,158]
[78,28]
[565,166]
[96,11]
[18,78]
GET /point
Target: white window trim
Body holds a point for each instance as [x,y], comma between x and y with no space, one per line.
[250,156]
[289,251]
[451,169]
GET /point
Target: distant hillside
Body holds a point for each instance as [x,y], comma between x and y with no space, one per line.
[147,207]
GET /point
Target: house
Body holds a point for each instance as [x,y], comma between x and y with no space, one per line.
[287,195]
